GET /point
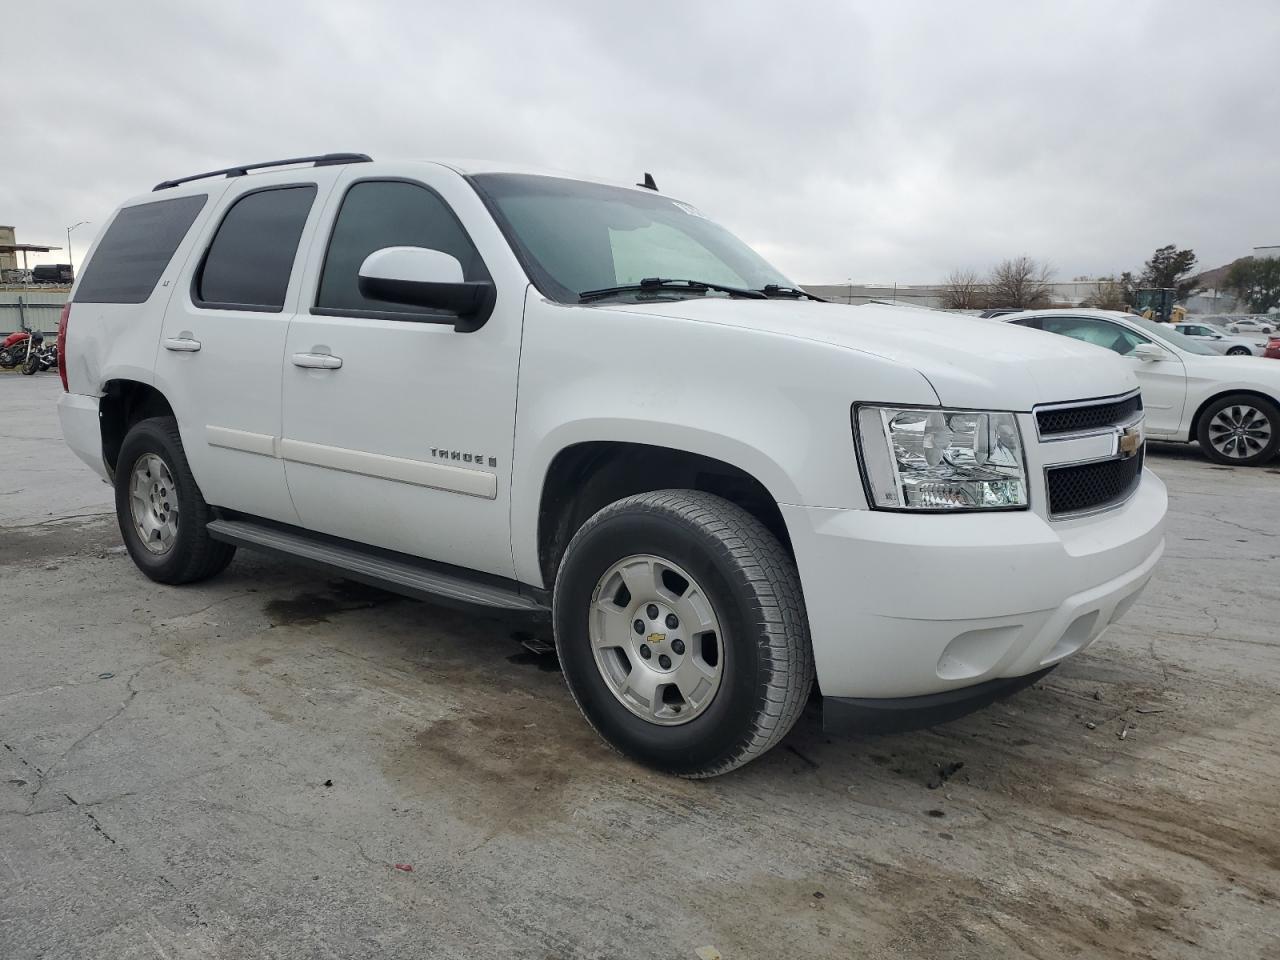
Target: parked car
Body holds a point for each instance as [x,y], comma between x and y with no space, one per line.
[1273,348]
[1251,325]
[1230,405]
[714,487]
[1220,341]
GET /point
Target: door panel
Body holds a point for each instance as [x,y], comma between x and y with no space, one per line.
[219,360]
[407,444]
[1164,393]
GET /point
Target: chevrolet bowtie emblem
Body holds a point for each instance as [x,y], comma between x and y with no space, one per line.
[1130,441]
[656,637]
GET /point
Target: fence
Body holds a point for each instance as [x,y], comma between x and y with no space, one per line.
[30,308]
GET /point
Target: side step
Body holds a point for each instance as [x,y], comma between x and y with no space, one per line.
[421,580]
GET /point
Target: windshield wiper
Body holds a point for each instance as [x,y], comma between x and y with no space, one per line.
[795,293]
[656,284]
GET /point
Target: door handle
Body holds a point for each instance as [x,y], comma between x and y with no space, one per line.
[317,361]
[182,344]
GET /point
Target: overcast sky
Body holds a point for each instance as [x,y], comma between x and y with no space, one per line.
[883,142]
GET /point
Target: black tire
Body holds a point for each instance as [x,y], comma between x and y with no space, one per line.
[193,555]
[1207,429]
[31,364]
[754,587]
[1239,352]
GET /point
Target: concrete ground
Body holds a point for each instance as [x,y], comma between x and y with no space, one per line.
[274,764]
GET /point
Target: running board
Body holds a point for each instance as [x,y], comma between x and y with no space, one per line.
[419,580]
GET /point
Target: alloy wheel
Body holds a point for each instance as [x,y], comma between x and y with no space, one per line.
[1239,431]
[656,640]
[153,503]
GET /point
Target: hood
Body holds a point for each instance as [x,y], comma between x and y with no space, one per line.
[970,362]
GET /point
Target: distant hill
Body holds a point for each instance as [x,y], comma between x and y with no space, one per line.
[1215,278]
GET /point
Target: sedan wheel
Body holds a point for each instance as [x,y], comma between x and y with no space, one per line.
[1240,430]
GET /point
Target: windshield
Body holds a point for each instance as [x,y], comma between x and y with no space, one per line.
[573,236]
[1166,332]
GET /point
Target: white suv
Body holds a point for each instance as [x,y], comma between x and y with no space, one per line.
[589,402]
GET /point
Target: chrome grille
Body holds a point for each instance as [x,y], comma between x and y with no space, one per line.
[1093,452]
[1085,417]
[1088,487]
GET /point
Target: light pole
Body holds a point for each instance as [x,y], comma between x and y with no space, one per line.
[70,261]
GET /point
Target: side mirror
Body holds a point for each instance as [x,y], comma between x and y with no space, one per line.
[1148,352]
[419,277]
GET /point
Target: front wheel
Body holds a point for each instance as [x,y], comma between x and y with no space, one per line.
[161,512]
[1241,429]
[31,364]
[681,630]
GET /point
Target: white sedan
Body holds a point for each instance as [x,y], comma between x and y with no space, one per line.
[1251,325]
[1219,341]
[1231,405]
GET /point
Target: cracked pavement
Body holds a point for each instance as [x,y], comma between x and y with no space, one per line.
[246,768]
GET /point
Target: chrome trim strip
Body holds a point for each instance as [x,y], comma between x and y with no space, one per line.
[421,473]
[439,476]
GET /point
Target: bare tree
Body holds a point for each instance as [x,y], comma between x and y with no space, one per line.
[1020,282]
[964,290]
[1108,294]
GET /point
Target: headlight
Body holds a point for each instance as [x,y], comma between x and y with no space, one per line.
[928,459]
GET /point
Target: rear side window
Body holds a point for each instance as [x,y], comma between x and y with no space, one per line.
[248,264]
[135,250]
[388,213]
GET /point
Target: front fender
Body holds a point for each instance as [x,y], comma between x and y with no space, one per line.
[775,407]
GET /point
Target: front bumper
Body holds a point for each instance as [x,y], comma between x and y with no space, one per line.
[78,416]
[904,605]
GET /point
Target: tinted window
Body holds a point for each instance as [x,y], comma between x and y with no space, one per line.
[251,257]
[135,250]
[1088,330]
[388,213]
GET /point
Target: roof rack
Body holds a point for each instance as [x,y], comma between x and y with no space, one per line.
[321,160]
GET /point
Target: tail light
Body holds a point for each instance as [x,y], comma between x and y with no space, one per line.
[62,345]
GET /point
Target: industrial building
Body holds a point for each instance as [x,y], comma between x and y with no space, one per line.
[28,302]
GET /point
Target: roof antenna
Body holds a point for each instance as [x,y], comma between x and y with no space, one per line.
[649,183]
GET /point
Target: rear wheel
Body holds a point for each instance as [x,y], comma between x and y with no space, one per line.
[161,513]
[681,631]
[1239,352]
[1240,429]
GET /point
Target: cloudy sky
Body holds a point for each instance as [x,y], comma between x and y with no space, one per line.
[873,141]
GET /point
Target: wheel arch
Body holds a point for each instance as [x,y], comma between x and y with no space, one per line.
[585,476]
[124,403]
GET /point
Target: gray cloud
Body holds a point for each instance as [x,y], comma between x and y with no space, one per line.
[874,141]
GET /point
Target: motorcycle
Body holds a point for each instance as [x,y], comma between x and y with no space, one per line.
[27,349]
[47,358]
